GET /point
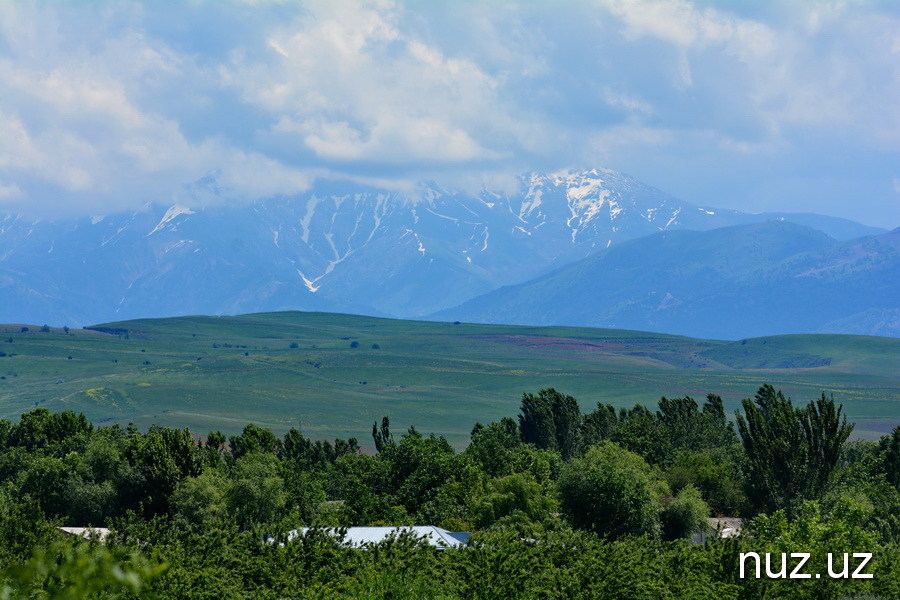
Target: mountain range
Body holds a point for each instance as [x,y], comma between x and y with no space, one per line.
[759,279]
[346,247]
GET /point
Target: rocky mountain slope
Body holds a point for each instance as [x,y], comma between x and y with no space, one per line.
[742,281]
[339,247]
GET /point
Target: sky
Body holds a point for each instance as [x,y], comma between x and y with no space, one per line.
[757,106]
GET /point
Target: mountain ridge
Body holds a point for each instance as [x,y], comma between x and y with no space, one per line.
[742,281]
[341,247]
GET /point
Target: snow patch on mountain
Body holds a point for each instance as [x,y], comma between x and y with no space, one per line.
[171,214]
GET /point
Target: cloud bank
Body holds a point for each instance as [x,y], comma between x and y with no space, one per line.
[764,106]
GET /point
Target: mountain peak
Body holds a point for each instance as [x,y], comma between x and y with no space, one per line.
[340,246]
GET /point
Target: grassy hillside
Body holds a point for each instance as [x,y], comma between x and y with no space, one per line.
[333,375]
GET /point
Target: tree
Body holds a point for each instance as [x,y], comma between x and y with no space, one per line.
[516,498]
[791,453]
[491,447]
[685,515]
[417,467]
[302,453]
[382,437]
[687,427]
[639,431]
[75,569]
[23,527]
[889,451]
[825,536]
[536,424]
[58,433]
[45,479]
[200,501]
[256,493]
[611,492]
[551,420]
[598,425]
[715,472]
[254,439]
[358,480]
[718,431]
[160,459]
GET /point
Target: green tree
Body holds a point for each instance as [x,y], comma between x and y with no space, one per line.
[303,453]
[611,492]
[56,433]
[23,527]
[256,493]
[639,431]
[382,437]
[685,515]
[46,479]
[305,492]
[599,424]
[160,459]
[200,501]
[358,481]
[551,420]
[889,453]
[417,467]
[688,427]
[72,570]
[715,472]
[516,499]
[492,447]
[254,439]
[817,532]
[791,453]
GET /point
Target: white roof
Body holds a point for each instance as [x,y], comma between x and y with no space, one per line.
[361,536]
[86,532]
[726,526]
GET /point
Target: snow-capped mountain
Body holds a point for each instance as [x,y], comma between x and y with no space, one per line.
[339,247]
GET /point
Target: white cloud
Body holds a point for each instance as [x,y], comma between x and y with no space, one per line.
[9,191]
[86,115]
[116,104]
[811,65]
[604,145]
[631,103]
[348,84]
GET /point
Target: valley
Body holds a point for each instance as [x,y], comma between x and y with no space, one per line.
[334,375]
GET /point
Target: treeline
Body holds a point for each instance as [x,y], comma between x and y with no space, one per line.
[563,504]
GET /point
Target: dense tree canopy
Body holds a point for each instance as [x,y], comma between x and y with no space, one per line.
[191,517]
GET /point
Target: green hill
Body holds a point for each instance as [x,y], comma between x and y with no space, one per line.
[333,375]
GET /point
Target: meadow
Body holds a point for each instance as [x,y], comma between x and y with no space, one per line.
[333,375]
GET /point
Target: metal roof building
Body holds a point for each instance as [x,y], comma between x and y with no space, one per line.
[86,532]
[359,537]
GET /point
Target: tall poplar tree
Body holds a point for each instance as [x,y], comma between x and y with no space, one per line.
[791,452]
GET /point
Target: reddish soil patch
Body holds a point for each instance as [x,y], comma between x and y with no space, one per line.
[543,342]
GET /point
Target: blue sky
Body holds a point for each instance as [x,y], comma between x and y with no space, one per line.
[790,106]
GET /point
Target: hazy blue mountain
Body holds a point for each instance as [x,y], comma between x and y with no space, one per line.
[839,229]
[339,247]
[750,280]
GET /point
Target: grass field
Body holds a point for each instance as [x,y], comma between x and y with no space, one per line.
[333,375]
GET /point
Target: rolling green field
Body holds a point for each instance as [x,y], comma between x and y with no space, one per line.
[333,375]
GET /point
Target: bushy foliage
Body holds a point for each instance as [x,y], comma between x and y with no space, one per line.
[562,505]
[685,515]
[611,492]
